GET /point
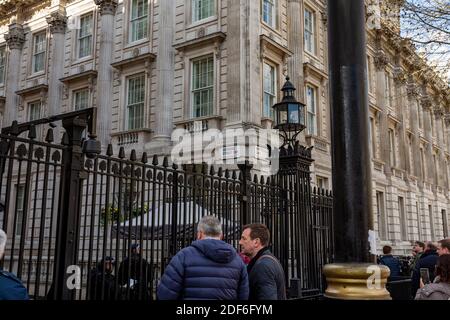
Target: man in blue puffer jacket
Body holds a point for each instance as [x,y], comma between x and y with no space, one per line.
[209,269]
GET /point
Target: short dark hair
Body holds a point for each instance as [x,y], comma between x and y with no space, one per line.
[258,230]
[420,244]
[445,243]
[443,268]
[387,249]
[431,246]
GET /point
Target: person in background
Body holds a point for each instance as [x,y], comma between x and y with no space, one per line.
[443,247]
[209,269]
[266,275]
[417,251]
[428,260]
[11,288]
[441,289]
[391,262]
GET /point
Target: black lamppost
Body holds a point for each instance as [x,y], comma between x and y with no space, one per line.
[295,162]
[289,115]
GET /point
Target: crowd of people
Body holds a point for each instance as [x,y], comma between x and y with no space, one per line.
[211,269]
[430,260]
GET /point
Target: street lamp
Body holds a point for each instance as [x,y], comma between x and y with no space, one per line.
[289,115]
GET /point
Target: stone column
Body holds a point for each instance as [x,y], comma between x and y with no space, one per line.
[243,62]
[57,22]
[404,154]
[380,61]
[426,105]
[165,74]
[15,39]
[412,102]
[295,44]
[105,71]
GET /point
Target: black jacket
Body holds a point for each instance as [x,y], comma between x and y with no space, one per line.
[427,260]
[266,277]
[99,279]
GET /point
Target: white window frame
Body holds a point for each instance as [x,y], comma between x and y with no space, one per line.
[419,115]
[271,18]
[369,73]
[423,164]
[387,90]
[324,182]
[127,103]
[132,20]
[42,52]
[392,155]
[32,113]
[372,137]
[88,36]
[195,18]
[208,87]
[381,214]
[18,211]
[74,98]
[2,65]
[403,218]
[269,93]
[311,114]
[430,212]
[311,33]
[419,220]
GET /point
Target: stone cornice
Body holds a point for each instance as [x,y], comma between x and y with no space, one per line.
[380,60]
[426,103]
[107,6]
[411,89]
[57,22]
[15,37]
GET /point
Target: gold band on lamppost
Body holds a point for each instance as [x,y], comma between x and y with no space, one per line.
[356,281]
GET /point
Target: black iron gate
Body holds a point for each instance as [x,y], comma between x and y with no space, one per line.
[105,227]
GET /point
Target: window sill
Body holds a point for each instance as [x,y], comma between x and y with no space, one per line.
[82,60]
[198,23]
[136,43]
[270,28]
[200,124]
[36,75]
[210,38]
[130,137]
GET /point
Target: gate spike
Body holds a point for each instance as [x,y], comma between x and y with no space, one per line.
[212,171]
[155,160]
[220,172]
[49,137]
[109,150]
[174,166]
[165,162]
[227,173]
[32,132]
[204,168]
[144,158]
[65,139]
[255,178]
[133,155]
[262,180]
[121,153]
[233,175]
[15,128]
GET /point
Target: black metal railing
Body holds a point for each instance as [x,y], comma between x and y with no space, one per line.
[106,227]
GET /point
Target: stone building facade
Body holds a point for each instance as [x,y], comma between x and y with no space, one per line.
[152,66]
